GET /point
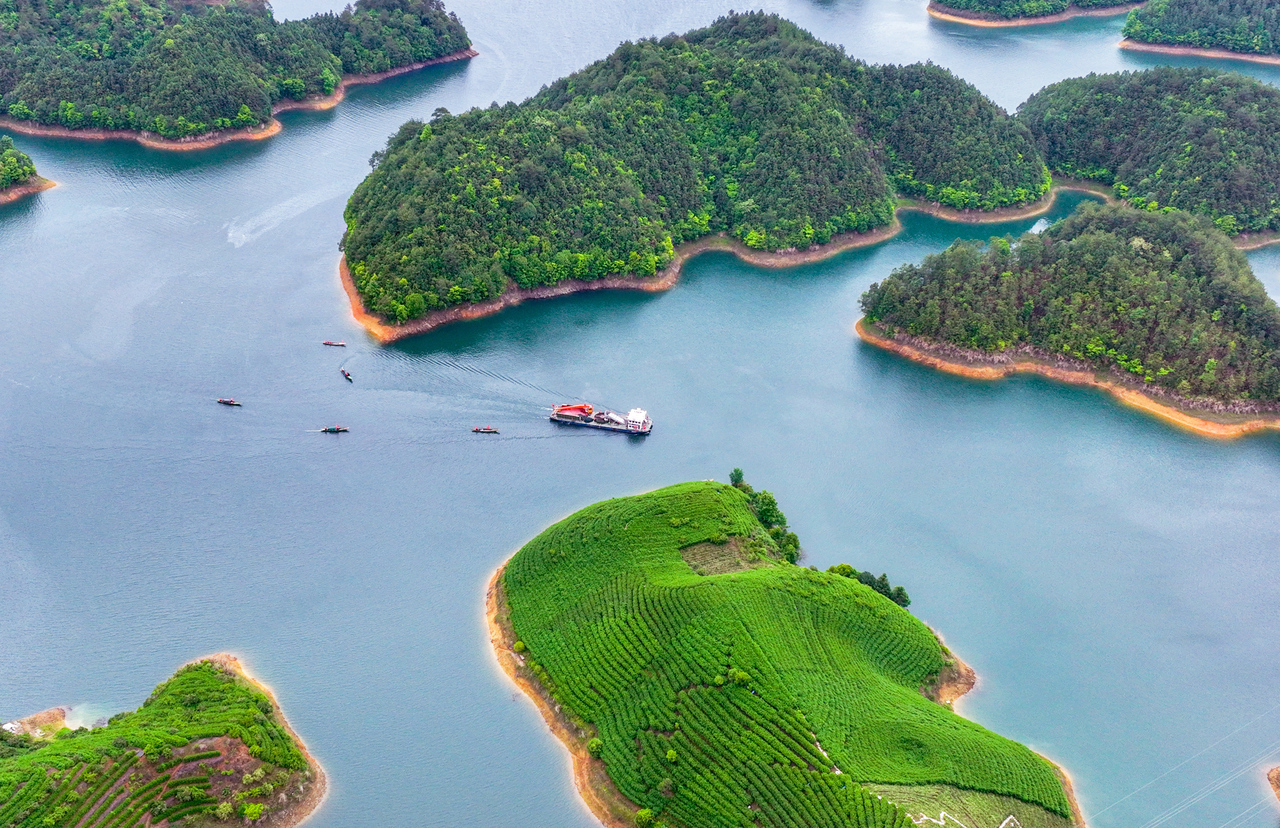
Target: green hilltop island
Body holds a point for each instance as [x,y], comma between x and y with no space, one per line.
[187,73]
[1155,306]
[749,134]
[702,679]
[208,747]
[1201,140]
[1240,29]
[18,176]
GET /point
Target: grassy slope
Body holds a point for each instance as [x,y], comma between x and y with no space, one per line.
[743,674]
[114,775]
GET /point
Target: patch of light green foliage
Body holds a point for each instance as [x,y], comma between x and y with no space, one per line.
[759,697]
[15,165]
[39,780]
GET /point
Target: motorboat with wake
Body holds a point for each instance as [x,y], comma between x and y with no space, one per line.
[635,421]
[227,401]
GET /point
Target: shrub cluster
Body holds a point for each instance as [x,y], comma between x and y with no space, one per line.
[16,166]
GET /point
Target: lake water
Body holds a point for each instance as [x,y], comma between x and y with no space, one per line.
[1112,579]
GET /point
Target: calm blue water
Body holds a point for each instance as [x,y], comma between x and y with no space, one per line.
[1112,579]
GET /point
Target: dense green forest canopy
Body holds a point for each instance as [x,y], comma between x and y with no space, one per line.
[1024,8]
[1249,26]
[1201,140]
[761,693]
[749,126]
[205,746]
[16,167]
[188,67]
[1162,296]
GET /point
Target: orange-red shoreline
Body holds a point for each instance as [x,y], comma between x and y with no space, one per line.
[214,139]
[1196,51]
[31,187]
[1126,395]
[590,777]
[664,279]
[941,11]
[669,276]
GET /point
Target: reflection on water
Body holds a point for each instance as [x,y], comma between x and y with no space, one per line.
[1111,578]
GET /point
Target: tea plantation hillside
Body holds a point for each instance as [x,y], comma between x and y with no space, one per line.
[759,694]
[206,747]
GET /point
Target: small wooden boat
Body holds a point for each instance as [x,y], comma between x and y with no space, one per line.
[345,374]
[485,430]
[334,430]
[333,344]
[227,401]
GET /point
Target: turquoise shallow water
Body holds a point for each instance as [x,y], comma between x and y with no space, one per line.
[1112,579]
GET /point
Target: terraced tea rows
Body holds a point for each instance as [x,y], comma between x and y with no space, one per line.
[205,746]
[757,697]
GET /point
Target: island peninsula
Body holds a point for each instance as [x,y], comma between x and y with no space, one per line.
[606,173]
[18,178]
[1239,30]
[209,745]
[1158,308]
[191,75]
[701,679]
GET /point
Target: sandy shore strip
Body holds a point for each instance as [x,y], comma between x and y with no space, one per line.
[34,185]
[295,813]
[939,11]
[1129,396]
[667,278]
[664,279]
[1196,51]
[226,136]
[590,776]
[1273,776]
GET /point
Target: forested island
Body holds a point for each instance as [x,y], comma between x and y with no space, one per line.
[749,128]
[17,173]
[1246,29]
[701,679]
[1022,12]
[1201,140]
[176,71]
[208,747]
[1157,305]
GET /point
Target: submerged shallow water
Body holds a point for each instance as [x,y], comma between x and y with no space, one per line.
[1110,578]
